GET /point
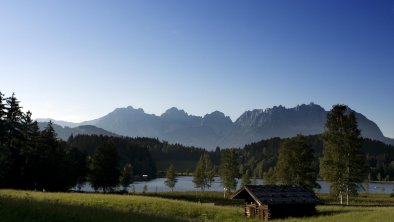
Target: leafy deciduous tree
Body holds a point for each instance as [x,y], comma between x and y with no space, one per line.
[229,170]
[204,173]
[296,164]
[126,177]
[245,178]
[170,177]
[343,162]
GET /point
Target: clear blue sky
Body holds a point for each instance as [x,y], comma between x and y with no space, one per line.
[78,60]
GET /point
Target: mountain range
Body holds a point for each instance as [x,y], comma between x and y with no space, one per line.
[215,129]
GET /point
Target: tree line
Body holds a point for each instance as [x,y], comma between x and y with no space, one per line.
[36,159]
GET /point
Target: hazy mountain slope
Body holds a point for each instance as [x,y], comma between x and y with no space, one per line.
[65,132]
[58,122]
[128,122]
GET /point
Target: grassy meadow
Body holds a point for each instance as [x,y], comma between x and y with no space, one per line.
[171,206]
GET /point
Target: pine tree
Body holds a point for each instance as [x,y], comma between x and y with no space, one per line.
[127,176]
[52,162]
[170,177]
[30,151]
[3,113]
[204,173]
[13,141]
[342,162]
[295,165]
[104,173]
[229,170]
[6,162]
[13,121]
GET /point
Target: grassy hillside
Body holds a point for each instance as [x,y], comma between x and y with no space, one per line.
[37,206]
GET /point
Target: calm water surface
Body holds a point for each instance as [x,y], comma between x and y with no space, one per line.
[185,183]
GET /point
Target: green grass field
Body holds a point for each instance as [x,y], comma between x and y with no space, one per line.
[45,207]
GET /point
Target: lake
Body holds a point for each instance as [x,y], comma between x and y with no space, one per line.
[185,183]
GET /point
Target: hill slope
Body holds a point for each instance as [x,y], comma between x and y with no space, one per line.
[65,132]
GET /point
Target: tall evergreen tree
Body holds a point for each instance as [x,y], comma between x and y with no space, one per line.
[6,162]
[204,173]
[126,177]
[295,165]
[170,177]
[13,141]
[229,170]
[104,173]
[3,114]
[52,165]
[342,162]
[13,120]
[29,151]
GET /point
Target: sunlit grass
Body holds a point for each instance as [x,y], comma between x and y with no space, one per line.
[44,207]
[348,214]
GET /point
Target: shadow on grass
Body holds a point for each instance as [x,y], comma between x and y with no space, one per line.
[330,212]
[340,210]
[27,210]
[197,197]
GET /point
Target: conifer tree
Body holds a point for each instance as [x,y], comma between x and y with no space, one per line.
[30,151]
[52,163]
[204,173]
[13,120]
[342,162]
[6,162]
[13,140]
[3,114]
[170,177]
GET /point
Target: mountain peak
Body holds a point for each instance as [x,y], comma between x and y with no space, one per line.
[215,114]
[129,109]
[217,117]
[174,113]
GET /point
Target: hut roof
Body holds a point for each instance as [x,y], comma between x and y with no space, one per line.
[277,194]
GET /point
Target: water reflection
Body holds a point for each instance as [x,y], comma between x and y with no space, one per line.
[185,183]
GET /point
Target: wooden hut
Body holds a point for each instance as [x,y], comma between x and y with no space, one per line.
[277,201]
